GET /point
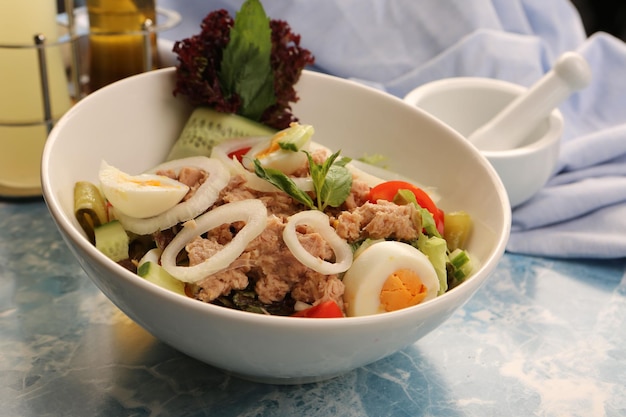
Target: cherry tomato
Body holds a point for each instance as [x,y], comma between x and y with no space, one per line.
[324,310]
[239,153]
[388,190]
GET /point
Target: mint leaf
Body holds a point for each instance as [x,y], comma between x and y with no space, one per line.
[246,69]
[283,182]
[337,186]
[332,181]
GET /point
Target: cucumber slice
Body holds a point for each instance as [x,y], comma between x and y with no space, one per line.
[435,248]
[461,263]
[112,240]
[206,128]
[154,273]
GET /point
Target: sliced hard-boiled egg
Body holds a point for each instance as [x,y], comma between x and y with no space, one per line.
[282,151]
[388,276]
[140,196]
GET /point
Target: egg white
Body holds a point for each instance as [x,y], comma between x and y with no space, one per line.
[367,275]
[140,196]
[279,159]
[270,155]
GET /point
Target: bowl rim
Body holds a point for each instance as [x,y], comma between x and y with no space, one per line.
[555,120]
[73,236]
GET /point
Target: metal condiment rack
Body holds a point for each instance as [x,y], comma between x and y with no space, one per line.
[75,85]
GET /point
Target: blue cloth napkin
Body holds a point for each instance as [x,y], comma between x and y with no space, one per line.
[398,45]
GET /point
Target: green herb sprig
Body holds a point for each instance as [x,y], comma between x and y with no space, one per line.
[331,179]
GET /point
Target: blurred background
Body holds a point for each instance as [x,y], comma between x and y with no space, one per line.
[597,15]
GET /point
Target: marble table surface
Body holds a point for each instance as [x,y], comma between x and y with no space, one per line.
[543,337]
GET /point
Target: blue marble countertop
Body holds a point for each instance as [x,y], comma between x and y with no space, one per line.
[543,337]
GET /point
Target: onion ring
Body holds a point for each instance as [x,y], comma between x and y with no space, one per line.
[253,212]
[203,198]
[320,222]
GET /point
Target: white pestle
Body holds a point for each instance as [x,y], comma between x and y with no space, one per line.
[508,129]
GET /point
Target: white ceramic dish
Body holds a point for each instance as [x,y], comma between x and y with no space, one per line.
[132,125]
[467,103]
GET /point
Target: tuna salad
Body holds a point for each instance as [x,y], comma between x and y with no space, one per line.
[277,225]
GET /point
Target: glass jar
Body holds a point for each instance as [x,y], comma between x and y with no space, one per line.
[117,39]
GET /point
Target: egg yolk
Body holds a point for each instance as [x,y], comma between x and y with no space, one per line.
[273,146]
[147,183]
[402,289]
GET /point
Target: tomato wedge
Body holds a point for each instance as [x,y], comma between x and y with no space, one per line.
[239,153]
[325,310]
[388,190]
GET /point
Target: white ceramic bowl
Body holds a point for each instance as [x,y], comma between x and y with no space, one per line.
[467,103]
[132,125]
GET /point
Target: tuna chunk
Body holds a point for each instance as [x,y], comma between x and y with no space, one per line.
[379,221]
[280,272]
[191,177]
[268,261]
[358,195]
[277,203]
[218,284]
